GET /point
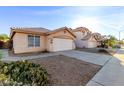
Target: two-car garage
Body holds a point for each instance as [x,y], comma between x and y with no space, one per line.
[60,44]
[60,40]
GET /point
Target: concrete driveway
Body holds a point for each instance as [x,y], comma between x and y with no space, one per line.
[84,56]
[88,57]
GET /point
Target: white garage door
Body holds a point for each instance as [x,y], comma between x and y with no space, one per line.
[91,44]
[62,44]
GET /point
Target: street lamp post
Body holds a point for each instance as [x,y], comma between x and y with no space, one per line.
[119,39]
[119,35]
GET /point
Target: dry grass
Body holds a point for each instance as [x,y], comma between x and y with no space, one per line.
[65,71]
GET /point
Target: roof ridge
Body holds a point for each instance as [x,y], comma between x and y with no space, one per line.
[26,27]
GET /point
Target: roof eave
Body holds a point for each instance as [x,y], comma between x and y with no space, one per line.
[60,29]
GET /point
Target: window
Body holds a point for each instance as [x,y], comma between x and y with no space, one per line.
[30,41]
[33,41]
[37,41]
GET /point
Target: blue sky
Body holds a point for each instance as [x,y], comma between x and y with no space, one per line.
[105,20]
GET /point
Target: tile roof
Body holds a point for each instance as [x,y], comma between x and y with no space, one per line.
[83,29]
[34,29]
[88,36]
[37,30]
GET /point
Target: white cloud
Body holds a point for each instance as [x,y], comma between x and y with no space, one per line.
[71,11]
[89,22]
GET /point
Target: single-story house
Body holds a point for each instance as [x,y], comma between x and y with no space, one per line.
[85,38]
[26,40]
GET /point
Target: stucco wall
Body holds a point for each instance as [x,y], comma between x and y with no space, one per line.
[61,33]
[91,43]
[80,35]
[81,44]
[20,44]
[49,45]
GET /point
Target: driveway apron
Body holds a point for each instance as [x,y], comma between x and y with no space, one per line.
[88,57]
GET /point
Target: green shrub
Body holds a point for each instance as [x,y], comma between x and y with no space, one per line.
[22,73]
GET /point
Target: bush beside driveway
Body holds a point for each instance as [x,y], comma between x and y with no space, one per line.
[22,73]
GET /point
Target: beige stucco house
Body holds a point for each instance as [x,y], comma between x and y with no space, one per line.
[27,40]
[85,38]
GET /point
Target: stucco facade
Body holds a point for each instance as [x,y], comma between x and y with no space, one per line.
[20,43]
[60,39]
[91,43]
[84,38]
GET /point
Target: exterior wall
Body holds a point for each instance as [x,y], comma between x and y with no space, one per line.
[78,42]
[86,44]
[81,44]
[79,34]
[73,45]
[20,44]
[91,43]
[49,44]
[62,33]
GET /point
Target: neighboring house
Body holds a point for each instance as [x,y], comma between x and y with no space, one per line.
[40,39]
[85,38]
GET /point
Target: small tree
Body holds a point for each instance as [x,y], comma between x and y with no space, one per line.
[110,40]
[4,41]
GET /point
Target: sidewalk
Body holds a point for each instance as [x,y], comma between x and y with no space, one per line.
[112,73]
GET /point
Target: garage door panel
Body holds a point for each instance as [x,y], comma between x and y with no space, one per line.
[62,44]
[91,44]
